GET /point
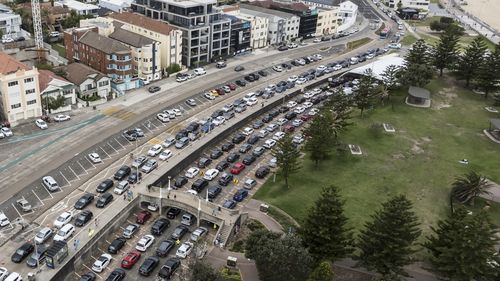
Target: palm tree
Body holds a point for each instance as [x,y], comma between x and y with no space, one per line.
[468,187]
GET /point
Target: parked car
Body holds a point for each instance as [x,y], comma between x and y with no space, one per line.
[130,259]
[85,200]
[22,252]
[130,230]
[165,247]
[142,217]
[83,218]
[63,219]
[117,274]
[179,232]
[173,212]
[37,258]
[61,117]
[122,173]
[101,263]
[43,235]
[169,268]
[104,186]
[225,179]
[159,226]
[184,250]
[145,242]
[116,245]
[262,172]
[154,89]
[149,265]
[240,195]
[237,168]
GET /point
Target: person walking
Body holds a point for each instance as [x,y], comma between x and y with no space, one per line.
[95,221]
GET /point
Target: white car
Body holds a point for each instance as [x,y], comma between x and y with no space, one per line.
[181,78]
[281,121]
[278,136]
[170,113]
[7,132]
[101,263]
[247,131]
[313,111]
[291,104]
[263,133]
[184,250]
[155,150]
[252,101]
[292,46]
[7,40]
[321,68]
[269,143]
[168,142]
[297,122]
[163,117]
[41,124]
[192,172]
[394,46]
[318,56]
[198,233]
[63,219]
[200,71]
[299,109]
[293,78]
[317,40]
[2,135]
[272,127]
[209,96]
[144,243]
[316,91]
[211,174]
[3,273]
[308,95]
[177,112]
[337,67]
[277,68]
[219,120]
[3,220]
[307,104]
[95,158]
[149,166]
[121,187]
[165,154]
[298,139]
[301,81]
[61,118]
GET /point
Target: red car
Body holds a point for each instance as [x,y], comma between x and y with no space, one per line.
[220,91]
[143,216]
[130,259]
[232,86]
[289,128]
[305,117]
[237,168]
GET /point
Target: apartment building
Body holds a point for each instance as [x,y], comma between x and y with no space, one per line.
[19,91]
[348,12]
[104,54]
[328,21]
[419,5]
[240,35]
[259,26]
[10,23]
[145,53]
[168,36]
[80,8]
[283,27]
[205,32]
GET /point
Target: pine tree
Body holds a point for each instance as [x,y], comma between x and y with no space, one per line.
[287,155]
[367,90]
[462,247]
[323,272]
[325,230]
[471,60]
[320,136]
[417,70]
[446,52]
[387,241]
[488,74]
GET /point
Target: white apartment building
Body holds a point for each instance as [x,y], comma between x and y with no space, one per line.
[169,37]
[146,54]
[10,23]
[19,90]
[260,26]
[105,26]
[348,12]
[79,7]
[422,5]
[283,27]
[115,5]
[328,21]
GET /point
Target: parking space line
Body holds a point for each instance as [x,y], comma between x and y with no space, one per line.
[16,210]
[69,183]
[104,152]
[82,167]
[78,178]
[37,197]
[111,147]
[120,143]
[91,163]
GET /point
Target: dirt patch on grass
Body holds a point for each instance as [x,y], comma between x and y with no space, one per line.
[417,145]
[445,97]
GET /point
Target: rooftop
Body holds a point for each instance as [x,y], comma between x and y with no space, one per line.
[77,73]
[325,2]
[379,66]
[130,38]
[270,4]
[10,65]
[144,22]
[419,92]
[105,44]
[47,77]
[263,12]
[77,5]
[189,3]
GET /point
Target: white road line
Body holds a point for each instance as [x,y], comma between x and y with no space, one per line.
[146,127]
[17,210]
[38,197]
[91,163]
[82,167]
[65,177]
[152,124]
[120,143]
[104,151]
[73,172]
[112,147]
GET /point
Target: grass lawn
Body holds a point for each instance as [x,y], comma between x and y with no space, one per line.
[358,43]
[408,40]
[59,48]
[419,160]
[426,22]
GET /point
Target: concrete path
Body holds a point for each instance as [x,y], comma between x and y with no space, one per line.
[252,207]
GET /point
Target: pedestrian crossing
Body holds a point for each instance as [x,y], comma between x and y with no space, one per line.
[117,112]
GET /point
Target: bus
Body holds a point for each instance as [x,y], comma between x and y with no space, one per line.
[385,33]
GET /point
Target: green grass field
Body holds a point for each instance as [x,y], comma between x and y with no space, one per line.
[419,160]
[408,40]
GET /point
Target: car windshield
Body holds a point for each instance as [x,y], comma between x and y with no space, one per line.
[61,233]
[61,218]
[40,235]
[82,200]
[20,252]
[81,217]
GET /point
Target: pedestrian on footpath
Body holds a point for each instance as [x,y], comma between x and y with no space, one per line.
[95,221]
[124,196]
[149,187]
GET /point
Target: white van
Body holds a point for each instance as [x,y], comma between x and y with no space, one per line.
[14,276]
[65,232]
[354,60]
[249,96]
[50,183]
[187,219]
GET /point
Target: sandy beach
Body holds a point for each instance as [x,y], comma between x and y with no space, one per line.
[486,10]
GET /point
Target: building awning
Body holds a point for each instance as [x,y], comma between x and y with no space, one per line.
[378,66]
[495,123]
[420,93]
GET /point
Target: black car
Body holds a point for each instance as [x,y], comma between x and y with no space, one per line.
[249,78]
[257,124]
[229,204]
[160,226]
[239,68]
[283,109]
[22,252]
[181,134]
[253,139]
[180,181]
[244,148]
[204,162]
[38,257]
[267,119]
[83,218]
[89,276]
[134,177]
[213,191]
[117,275]
[262,73]
[295,63]
[274,113]
[169,268]
[130,135]
[192,127]
[149,265]
[164,248]
[255,76]
[298,100]
[225,179]
[104,185]
[216,153]
[154,89]
[262,172]
[227,146]
[240,83]
[249,159]
[116,245]
[84,201]
[179,232]
[217,113]
[173,212]
[282,48]
[290,115]
[104,200]
[199,185]
[222,165]
[238,138]
[233,157]
[122,173]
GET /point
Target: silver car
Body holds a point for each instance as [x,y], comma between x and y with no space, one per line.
[149,166]
[130,230]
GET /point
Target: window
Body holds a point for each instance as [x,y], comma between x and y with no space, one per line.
[31,102]
[13,83]
[27,80]
[17,105]
[103,83]
[30,91]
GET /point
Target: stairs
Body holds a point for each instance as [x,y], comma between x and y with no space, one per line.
[223,235]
